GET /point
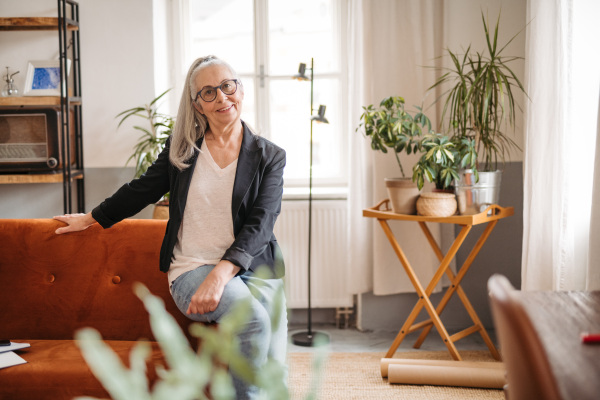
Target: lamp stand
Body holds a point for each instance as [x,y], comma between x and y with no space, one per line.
[309,337]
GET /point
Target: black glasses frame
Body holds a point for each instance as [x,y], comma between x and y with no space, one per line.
[220,87]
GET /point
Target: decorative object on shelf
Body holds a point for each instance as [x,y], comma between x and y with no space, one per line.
[43,78]
[30,139]
[309,337]
[480,103]
[390,126]
[436,204]
[151,143]
[9,88]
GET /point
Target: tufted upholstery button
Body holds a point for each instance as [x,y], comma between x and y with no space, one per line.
[116,279]
[51,278]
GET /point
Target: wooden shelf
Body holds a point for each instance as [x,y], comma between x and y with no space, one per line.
[36,101]
[51,177]
[34,24]
[66,24]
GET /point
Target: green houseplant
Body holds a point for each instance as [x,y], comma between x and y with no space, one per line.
[481,98]
[156,130]
[154,135]
[391,128]
[479,103]
[443,157]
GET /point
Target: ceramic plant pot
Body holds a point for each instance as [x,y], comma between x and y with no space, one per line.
[403,194]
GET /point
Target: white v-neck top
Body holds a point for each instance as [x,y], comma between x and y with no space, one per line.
[206,231]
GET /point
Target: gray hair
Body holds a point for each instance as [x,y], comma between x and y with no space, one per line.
[190,124]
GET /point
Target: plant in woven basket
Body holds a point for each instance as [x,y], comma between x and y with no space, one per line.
[442,159]
[390,126]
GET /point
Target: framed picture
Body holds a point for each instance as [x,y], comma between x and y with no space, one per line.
[43,78]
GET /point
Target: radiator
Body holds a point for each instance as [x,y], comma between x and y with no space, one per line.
[328,253]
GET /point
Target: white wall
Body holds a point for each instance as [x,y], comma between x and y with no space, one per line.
[117,58]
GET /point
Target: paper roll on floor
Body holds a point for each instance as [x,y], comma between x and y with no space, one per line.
[386,362]
[491,378]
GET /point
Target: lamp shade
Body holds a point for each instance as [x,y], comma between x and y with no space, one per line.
[301,75]
[320,117]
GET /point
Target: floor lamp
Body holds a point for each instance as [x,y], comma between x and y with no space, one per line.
[309,337]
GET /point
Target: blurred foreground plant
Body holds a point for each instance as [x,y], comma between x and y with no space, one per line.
[190,375]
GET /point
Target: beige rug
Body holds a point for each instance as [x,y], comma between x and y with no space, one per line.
[357,376]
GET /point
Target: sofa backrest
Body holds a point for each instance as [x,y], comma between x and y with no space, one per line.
[52,285]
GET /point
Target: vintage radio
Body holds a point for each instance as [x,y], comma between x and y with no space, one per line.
[30,139]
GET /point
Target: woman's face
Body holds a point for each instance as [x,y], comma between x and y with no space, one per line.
[224,109]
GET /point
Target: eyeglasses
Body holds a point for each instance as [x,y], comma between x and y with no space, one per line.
[209,93]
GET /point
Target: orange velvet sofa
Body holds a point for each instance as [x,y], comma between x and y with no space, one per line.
[51,285]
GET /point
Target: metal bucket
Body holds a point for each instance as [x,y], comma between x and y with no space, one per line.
[474,197]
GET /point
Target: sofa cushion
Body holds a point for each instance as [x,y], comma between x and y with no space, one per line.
[51,285]
[56,370]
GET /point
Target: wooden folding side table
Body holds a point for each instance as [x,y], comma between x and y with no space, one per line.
[491,216]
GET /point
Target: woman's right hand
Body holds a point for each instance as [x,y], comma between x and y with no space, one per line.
[75,222]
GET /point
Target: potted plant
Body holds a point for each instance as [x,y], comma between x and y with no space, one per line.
[443,157]
[480,104]
[442,160]
[391,127]
[152,141]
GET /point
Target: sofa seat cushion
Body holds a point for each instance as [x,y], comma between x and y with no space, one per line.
[55,369]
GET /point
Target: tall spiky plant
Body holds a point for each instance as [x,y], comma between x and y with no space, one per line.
[481,97]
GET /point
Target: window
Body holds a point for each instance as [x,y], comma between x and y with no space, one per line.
[265,41]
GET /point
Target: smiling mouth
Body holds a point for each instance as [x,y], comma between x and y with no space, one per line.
[225,109]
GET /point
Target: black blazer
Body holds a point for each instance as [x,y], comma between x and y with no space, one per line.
[255,204]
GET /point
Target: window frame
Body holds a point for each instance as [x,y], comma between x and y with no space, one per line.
[179,35]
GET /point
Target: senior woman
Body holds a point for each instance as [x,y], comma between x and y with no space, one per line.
[225,187]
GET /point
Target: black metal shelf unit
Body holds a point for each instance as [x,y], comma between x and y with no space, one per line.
[70,102]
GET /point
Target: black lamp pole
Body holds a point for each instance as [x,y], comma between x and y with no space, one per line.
[309,338]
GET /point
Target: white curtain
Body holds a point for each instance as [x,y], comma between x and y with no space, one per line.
[563,80]
[389,43]
[360,165]
[593,268]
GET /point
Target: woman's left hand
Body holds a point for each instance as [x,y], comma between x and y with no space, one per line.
[207,297]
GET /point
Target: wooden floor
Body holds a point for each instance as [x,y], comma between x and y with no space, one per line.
[351,340]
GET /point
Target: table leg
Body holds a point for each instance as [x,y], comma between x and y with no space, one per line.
[455,287]
[424,300]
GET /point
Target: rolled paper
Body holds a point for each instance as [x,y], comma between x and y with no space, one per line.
[386,362]
[489,378]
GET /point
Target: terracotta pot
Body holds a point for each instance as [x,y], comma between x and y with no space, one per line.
[403,194]
[161,211]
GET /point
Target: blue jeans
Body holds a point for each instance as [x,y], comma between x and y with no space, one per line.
[258,340]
